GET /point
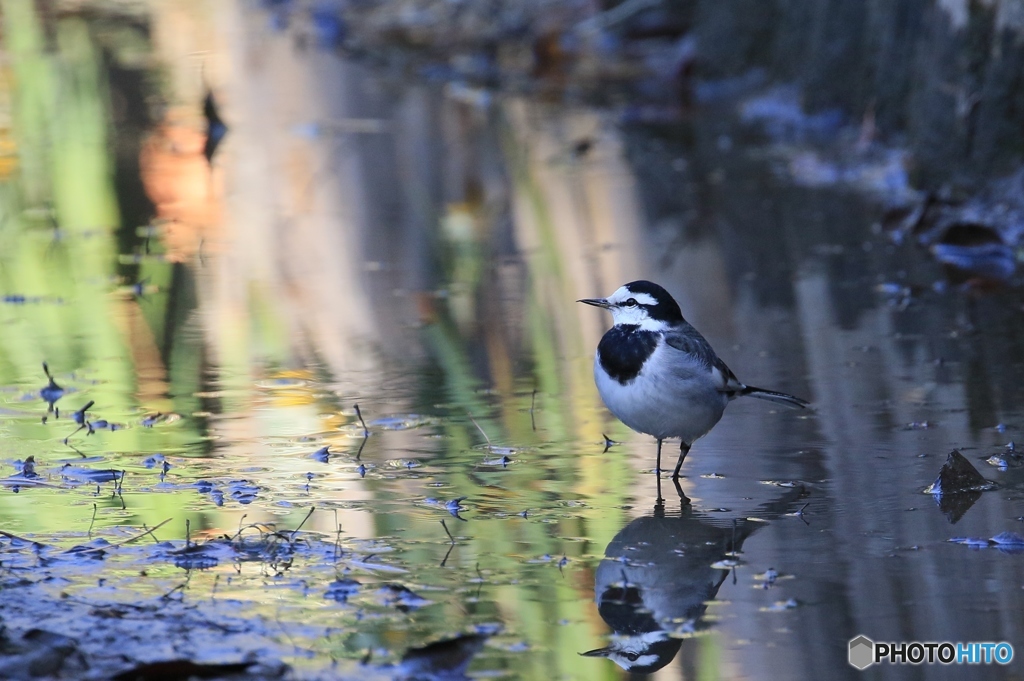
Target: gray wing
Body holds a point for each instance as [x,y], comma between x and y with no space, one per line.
[687,339]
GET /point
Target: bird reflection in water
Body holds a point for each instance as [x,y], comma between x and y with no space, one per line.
[657,579]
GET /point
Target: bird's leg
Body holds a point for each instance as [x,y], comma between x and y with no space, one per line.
[657,476]
[684,449]
[659,508]
[684,500]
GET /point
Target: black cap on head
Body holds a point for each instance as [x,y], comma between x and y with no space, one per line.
[666,309]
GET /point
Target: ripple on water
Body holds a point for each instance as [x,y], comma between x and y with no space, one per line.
[401,422]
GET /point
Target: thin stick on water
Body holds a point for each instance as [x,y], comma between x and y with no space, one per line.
[129,540]
[479,428]
[153,536]
[311,509]
[240,520]
[447,531]
[73,434]
[188,533]
[9,535]
[180,587]
[800,513]
[366,431]
[447,554]
[93,521]
[337,537]
[533,403]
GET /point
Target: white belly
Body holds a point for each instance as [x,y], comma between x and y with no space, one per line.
[677,401]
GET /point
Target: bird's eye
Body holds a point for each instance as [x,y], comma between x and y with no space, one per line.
[633,657]
[630,303]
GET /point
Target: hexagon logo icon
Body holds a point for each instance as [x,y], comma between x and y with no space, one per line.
[862,652]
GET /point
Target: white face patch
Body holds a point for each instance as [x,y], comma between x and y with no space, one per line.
[622,294]
[627,664]
[637,645]
[634,314]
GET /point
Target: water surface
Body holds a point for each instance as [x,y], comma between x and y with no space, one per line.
[417,248]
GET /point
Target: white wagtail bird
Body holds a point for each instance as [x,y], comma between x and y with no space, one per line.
[658,375]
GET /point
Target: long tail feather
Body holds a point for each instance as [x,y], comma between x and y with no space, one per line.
[773,396]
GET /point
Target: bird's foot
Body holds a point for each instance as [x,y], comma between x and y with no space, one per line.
[683,499]
[659,508]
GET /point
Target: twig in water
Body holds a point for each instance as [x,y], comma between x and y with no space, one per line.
[93,521]
[446,531]
[479,428]
[213,593]
[244,516]
[167,596]
[129,539]
[451,547]
[337,538]
[800,513]
[188,533]
[366,431]
[9,535]
[146,528]
[79,418]
[533,403]
[311,509]
[117,491]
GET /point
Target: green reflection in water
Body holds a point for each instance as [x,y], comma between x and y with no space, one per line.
[135,357]
[59,220]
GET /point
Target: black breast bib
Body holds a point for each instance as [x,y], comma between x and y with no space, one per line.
[624,349]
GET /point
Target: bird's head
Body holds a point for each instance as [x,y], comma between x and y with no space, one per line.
[640,653]
[640,303]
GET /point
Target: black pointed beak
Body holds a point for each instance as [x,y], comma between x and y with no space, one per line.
[596,302]
[600,652]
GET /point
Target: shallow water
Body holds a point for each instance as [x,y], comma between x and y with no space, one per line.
[416,248]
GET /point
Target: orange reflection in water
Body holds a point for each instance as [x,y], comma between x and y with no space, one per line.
[183,186]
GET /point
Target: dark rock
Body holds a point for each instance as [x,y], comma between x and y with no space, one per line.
[957,476]
[41,653]
[181,669]
[958,486]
